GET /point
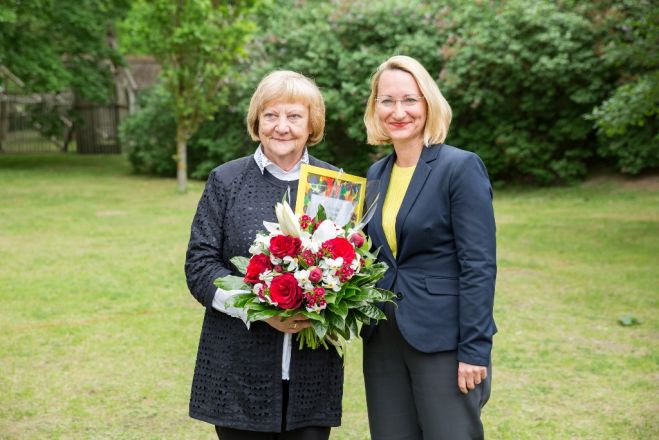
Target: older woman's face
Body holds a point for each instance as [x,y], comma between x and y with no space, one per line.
[284,131]
[401,108]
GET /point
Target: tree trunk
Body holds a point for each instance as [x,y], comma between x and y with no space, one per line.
[181,159]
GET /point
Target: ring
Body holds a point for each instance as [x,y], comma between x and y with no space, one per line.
[294,326]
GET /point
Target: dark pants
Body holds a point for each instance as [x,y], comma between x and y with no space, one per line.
[308,433]
[415,396]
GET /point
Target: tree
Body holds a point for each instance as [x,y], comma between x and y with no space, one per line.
[55,46]
[196,43]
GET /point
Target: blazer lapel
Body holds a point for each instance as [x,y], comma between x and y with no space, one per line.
[375,226]
[421,173]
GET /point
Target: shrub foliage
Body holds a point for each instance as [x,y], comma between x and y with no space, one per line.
[523,79]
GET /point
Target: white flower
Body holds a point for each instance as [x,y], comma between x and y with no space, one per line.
[302,277]
[272,228]
[356,264]
[263,240]
[331,264]
[267,276]
[258,291]
[327,230]
[291,263]
[305,238]
[316,308]
[331,282]
[288,221]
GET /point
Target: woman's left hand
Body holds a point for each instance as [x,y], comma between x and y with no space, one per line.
[293,324]
[469,376]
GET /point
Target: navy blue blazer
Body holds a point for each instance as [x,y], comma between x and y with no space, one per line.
[445,269]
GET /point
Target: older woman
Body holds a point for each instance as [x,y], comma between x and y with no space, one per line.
[426,368]
[250,381]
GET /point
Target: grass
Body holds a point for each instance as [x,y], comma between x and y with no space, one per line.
[99,332]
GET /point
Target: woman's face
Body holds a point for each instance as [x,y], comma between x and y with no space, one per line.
[401,108]
[284,131]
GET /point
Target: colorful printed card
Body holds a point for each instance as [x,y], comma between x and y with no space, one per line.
[342,195]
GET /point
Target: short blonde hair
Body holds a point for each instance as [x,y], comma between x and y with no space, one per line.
[439,113]
[285,85]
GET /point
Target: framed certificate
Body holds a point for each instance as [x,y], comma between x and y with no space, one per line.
[342,195]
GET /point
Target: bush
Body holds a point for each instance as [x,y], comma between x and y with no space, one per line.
[521,77]
[627,120]
[149,135]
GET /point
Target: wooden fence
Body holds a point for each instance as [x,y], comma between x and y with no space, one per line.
[58,123]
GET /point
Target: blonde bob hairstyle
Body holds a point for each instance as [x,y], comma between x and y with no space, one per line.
[439,113]
[288,86]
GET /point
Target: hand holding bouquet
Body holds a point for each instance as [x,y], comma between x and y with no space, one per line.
[310,266]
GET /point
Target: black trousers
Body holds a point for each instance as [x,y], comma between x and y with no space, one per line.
[308,433]
[415,396]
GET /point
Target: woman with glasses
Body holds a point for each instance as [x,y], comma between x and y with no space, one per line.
[427,367]
[251,381]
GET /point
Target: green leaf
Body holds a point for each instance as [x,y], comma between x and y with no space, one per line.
[239,301]
[231,282]
[335,321]
[321,214]
[340,309]
[628,320]
[265,314]
[372,312]
[320,327]
[351,323]
[240,263]
[344,332]
[313,316]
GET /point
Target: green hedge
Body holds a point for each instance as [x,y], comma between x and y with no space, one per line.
[522,78]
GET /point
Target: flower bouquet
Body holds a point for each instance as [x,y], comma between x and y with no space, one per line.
[310,266]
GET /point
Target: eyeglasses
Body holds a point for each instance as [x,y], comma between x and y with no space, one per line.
[389,102]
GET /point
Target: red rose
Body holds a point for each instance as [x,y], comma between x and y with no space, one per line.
[340,247]
[284,246]
[256,266]
[285,291]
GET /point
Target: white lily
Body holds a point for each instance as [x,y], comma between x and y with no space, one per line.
[288,222]
[325,231]
[272,228]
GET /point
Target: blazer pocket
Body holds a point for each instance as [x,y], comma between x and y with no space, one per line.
[442,285]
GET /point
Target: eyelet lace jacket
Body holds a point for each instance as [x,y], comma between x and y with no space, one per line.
[237,378]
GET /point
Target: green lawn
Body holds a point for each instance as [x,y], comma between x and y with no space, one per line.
[99,332]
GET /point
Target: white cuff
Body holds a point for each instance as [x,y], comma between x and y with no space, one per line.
[219,304]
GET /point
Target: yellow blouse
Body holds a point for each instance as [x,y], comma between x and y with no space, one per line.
[400,180]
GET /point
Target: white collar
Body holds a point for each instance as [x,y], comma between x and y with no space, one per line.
[266,164]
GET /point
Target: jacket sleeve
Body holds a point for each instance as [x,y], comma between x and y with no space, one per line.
[204,259]
[474,231]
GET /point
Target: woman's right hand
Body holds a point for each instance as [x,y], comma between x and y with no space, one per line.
[293,324]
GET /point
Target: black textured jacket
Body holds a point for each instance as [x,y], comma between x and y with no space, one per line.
[237,379]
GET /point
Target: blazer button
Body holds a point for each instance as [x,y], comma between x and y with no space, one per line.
[399,296]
